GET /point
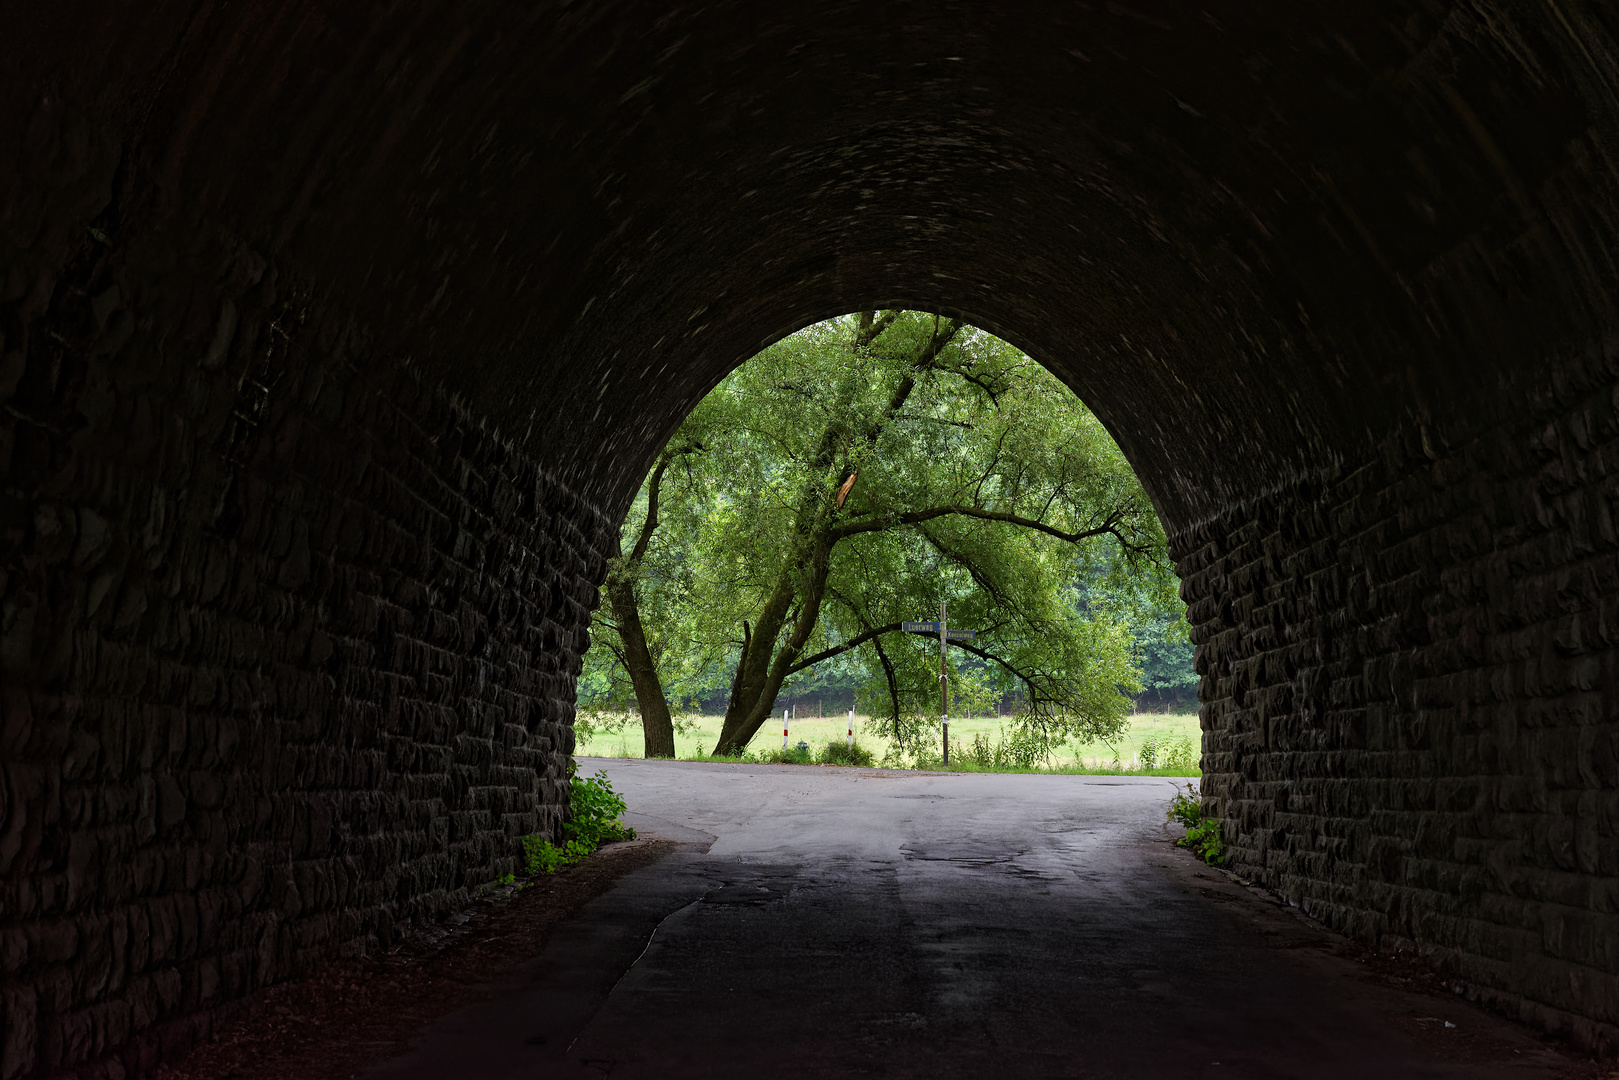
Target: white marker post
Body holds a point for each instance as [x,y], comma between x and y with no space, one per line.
[944,682]
[784,729]
[851,729]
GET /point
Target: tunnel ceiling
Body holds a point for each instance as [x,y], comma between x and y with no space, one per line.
[1256,237]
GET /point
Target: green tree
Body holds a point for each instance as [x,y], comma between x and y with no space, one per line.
[850,478]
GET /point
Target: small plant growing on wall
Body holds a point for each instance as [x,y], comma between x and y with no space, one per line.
[593,820]
[1203,834]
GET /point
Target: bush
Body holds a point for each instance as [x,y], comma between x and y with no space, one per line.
[838,752]
[1203,833]
[593,812]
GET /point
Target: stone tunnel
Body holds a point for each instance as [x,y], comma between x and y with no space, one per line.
[335,338]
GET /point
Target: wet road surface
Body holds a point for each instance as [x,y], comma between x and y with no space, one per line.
[844,922]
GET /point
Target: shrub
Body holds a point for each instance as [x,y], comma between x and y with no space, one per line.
[593,812]
[1203,833]
[838,752]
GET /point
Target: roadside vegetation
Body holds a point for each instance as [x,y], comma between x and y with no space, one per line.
[856,476]
[1152,744]
[594,809]
[1204,834]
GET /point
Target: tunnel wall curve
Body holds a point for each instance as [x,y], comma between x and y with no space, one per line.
[1407,685]
[289,655]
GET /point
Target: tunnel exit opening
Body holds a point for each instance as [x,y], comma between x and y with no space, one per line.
[843,482]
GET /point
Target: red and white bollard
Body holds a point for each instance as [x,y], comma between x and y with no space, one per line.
[784,729]
[851,729]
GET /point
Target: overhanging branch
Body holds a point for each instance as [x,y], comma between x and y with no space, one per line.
[838,650]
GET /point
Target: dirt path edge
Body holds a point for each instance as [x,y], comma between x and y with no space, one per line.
[350,1014]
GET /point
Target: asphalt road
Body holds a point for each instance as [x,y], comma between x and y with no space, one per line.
[844,922]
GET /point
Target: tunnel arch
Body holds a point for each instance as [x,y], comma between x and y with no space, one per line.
[313,315]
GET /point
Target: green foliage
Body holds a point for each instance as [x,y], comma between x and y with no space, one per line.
[980,479]
[1166,659]
[784,755]
[1161,752]
[838,752]
[1203,833]
[540,856]
[606,713]
[1023,749]
[593,813]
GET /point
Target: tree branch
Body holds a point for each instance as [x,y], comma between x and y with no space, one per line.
[983,654]
[893,683]
[838,650]
[869,327]
[916,517]
[654,486]
[934,420]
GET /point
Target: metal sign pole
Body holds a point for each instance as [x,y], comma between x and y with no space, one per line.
[944,682]
[945,636]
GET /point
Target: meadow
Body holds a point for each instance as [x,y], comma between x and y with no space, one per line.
[696,735]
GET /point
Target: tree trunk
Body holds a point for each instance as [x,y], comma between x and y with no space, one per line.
[761,668]
[744,712]
[759,673]
[656,723]
[657,726]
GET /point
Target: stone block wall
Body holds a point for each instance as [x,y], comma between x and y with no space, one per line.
[1410,704]
[289,646]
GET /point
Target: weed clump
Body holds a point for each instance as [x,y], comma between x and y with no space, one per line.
[1203,833]
[1025,749]
[593,813]
[1162,752]
[787,755]
[842,753]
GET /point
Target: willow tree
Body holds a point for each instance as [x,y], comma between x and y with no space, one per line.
[850,478]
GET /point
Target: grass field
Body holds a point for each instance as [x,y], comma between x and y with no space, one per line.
[701,732]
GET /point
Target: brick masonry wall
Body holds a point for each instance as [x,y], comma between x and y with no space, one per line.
[289,647]
[1411,723]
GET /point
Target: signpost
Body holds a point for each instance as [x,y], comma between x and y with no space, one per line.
[946,635]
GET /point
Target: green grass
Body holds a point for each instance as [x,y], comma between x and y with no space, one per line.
[699,734]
